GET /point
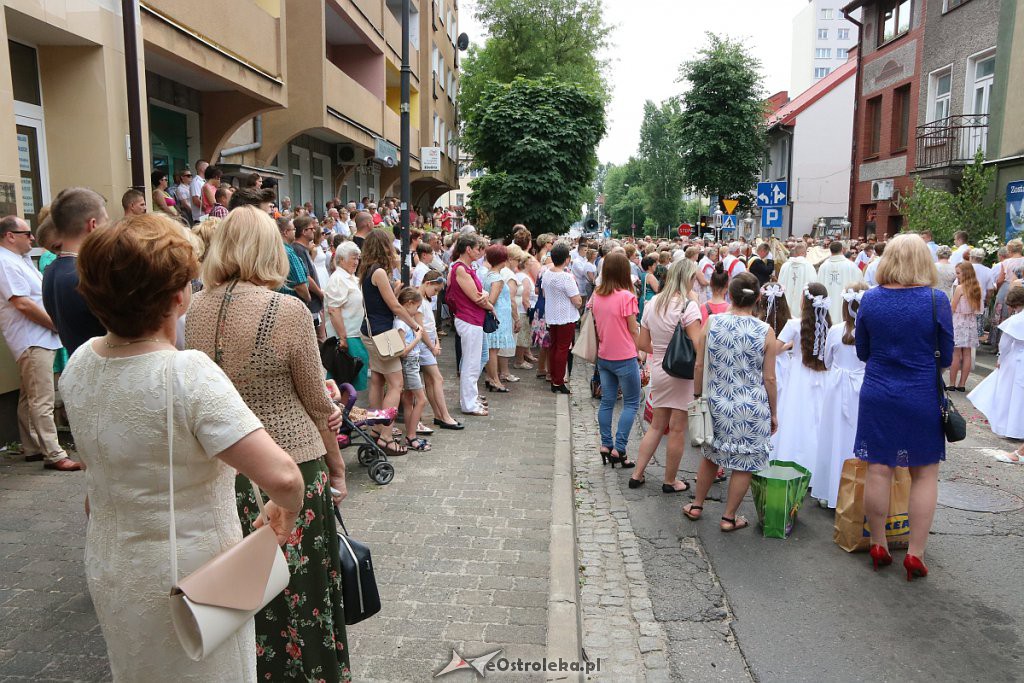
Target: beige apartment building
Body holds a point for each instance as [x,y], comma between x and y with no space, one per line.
[305,91]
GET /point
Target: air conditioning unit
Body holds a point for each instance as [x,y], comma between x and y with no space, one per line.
[881,190]
[349,155]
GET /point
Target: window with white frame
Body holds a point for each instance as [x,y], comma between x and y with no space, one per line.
[940,85]
[827,14]
[822,34]
[443,76]
[981,71]
[823,53]
[436,59]
[821,71]
[843,34]
[842,53]
[437,130]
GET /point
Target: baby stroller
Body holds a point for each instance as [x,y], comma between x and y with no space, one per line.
[370,454]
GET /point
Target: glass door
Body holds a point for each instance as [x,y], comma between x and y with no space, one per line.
[34,179]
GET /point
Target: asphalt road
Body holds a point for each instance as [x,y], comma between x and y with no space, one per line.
[802,609]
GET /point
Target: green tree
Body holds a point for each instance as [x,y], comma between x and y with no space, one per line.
[558,38]
[974,205]
[926,208]
[661,164]
[721,132]
[537,138]
[623,203]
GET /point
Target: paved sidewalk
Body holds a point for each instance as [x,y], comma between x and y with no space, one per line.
[460,543]
[630,611]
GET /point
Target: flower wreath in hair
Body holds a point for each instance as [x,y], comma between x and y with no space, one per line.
[821,304]
[849,296]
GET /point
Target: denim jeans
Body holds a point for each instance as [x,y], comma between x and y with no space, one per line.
[616,374]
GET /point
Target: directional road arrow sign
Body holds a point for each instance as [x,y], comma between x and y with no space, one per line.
[773,194]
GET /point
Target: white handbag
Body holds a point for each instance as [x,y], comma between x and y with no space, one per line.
[702,431]
[213,602]
[586,343]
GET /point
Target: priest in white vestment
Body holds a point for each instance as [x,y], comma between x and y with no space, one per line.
[796,272]
[837,273]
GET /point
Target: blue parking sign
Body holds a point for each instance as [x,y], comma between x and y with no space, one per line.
[771,217]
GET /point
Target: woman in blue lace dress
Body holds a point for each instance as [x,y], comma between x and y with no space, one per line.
[900,325]
[499,345]
[741,395]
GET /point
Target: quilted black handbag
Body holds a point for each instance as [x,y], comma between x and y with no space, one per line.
[358,584]
[680,356]
[954,426]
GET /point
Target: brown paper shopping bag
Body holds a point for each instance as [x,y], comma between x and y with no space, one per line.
[851,526]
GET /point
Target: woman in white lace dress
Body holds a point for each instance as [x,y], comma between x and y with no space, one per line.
[114,388]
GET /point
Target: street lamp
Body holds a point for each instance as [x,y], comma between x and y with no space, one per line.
[748,223]
[632,208]
[821,228]
[718,224]
[846,225]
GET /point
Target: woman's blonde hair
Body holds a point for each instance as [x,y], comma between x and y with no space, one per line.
[969,283]
[246,246]
[907,261]
[678,282]
[1015,246]
[203,233]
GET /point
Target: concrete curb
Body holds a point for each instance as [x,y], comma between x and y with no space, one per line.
[564,618]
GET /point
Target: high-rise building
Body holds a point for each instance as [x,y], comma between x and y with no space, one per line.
[822,39]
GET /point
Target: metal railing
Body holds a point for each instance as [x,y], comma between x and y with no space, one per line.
[952,141]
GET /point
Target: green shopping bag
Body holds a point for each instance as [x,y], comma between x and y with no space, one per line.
[779,491]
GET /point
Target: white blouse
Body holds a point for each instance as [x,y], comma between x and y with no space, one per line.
[342,291]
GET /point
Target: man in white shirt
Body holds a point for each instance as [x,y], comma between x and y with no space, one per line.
[986,275]
[926,235]
[425,254]
[196,191]
[960,248]
[731,260]
[796,272]
[837,273]
[864,257]
[32,338]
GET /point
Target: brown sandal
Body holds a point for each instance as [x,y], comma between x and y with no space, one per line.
[393,448]
[688,511]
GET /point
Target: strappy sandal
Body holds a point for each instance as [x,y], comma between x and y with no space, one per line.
[479,412]
[419,445]
[423,430]
[392,448]
[735,524]
[688,512]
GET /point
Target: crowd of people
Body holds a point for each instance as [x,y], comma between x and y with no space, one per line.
[807,350]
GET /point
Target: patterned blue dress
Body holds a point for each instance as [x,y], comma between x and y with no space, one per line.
[504,337]
[899,423]
[740,413]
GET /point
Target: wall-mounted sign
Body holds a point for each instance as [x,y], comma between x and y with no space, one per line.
[1014,209]
[430,158]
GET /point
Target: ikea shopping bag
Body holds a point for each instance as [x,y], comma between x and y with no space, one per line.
[851,525]
[779,491]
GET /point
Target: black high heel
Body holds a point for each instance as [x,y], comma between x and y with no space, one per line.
[621,460]
[604,457]
[560,389]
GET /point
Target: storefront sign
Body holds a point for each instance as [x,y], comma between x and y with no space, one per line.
[1014,209]
[430,158]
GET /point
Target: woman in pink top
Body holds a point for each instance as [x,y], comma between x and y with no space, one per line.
[670,396]
[615,307]
[468,304]
[717,303]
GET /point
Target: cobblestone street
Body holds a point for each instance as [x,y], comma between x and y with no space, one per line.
[459,539]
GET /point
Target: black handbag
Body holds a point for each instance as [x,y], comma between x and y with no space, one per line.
[491,323]
[954,426]
[343,366]
[358,584]
[680,356]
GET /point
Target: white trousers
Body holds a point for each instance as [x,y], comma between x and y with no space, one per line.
[472,339]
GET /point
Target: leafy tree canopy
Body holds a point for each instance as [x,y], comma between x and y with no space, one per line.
[624,204]
[538,140]
[971,208]
[662,166]
[558,38]
[721,132]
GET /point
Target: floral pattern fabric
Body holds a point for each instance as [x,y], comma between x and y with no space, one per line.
[300,635]
[740,413]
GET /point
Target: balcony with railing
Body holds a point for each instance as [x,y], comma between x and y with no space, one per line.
[951,142]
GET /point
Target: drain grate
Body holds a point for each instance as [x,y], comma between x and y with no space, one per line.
[977,497]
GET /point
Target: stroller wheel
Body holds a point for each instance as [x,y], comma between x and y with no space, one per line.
[382,472]
[367,454]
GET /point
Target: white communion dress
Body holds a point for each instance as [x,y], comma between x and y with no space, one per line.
[799,407]
[1000,395]
[840,405]
[117,410]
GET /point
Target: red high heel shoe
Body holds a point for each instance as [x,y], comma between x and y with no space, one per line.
[880,557]
[914,567]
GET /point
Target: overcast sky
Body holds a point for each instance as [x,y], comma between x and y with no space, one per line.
[651,38]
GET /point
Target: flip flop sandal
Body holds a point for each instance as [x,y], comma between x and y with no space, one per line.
[736,523]
[423,430]
[1005,457]
[688,511]
[418,445]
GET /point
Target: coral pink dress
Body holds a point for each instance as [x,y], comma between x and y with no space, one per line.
[667,391]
